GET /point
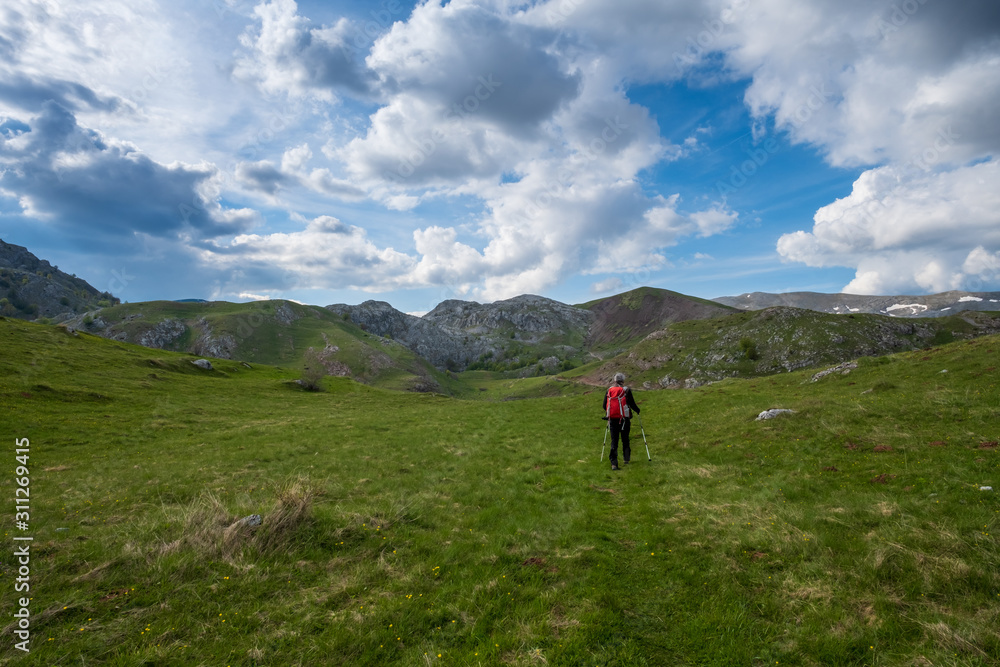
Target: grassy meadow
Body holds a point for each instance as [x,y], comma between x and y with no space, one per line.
[415,529]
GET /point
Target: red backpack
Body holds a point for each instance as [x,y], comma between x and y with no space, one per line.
[618,403]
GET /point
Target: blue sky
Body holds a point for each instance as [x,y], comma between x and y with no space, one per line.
[336,152]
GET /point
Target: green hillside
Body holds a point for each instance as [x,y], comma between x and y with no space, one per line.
[269,332]
[777,340]
[401,528]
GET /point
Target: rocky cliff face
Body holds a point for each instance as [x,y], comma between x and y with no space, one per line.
[457,334]
[528,316]
[443,348]
[31,288]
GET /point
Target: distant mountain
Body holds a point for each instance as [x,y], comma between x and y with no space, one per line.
[526,331]
[657,337]
[640,312]
[931,305]
[31,288]
[373,342]
[440,348]
[528,317]
[660,339]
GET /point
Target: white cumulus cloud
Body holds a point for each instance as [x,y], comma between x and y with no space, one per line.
[901,230]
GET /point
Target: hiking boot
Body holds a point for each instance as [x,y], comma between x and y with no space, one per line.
[614,466]
[626,463]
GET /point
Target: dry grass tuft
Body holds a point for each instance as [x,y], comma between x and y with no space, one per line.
[944,634]
[212,530]
[525,658]
[884,508]
[292,510]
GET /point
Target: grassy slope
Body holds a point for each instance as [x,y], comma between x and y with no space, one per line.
[261,337]
[414,529]
[781,339]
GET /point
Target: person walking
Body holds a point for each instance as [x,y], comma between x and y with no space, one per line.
[619,404]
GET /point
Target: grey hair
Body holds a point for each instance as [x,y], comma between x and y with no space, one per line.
[619,378]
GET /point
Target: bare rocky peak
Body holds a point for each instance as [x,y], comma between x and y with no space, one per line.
[526,313]
[457,333]
[18,257]
[378,317]
[442,348]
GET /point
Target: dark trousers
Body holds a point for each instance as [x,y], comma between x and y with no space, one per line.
[620,426]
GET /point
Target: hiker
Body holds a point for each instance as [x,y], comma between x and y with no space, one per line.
[619,404]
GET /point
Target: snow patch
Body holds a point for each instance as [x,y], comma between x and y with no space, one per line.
[969,298]
[915,307]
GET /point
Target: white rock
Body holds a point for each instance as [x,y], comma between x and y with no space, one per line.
[774,412]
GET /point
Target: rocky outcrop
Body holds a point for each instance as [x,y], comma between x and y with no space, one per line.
[31,288]
[379,318]
[842,368]
[219,347]
[441,348]
[528,316]
[774,412]
[457,333]
[284,313]
[163,334]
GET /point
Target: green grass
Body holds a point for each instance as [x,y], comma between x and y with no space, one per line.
[414,529]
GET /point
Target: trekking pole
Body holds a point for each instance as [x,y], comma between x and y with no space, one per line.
[643,440]
[606,429]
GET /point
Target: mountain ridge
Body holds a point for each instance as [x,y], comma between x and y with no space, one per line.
[779,339]
[530,335]
[927,305]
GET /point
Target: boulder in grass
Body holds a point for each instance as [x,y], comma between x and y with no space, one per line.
[203,363]
[774,412]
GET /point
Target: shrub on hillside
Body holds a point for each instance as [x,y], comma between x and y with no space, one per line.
[749,349]
[313,371]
